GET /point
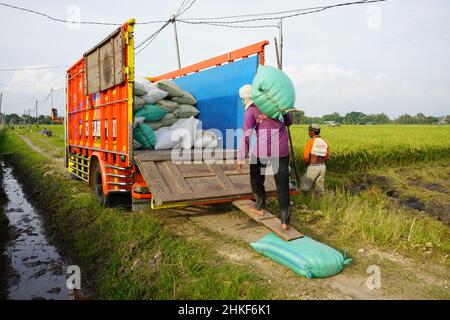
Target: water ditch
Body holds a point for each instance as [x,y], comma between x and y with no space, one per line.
[37,270]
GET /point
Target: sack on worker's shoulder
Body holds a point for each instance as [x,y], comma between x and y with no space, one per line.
[273,92]
[145,136]
[169,106]
[168,120]
[186,111]
[151,113]
[187,98]
[170,87]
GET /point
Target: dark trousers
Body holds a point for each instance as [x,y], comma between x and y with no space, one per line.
[257,178]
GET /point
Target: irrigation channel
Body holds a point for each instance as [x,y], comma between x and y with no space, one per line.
[37,270]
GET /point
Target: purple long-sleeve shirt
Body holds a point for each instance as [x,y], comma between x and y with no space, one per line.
[271,135]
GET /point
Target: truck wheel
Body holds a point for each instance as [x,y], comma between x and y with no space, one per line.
[97,184]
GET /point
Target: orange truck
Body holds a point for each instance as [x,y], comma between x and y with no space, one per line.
[99,128]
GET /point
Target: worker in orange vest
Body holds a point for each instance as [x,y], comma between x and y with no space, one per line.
[317,152]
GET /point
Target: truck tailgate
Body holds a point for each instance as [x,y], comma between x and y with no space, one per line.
[173,182]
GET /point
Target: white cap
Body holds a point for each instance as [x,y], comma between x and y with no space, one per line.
[246,92]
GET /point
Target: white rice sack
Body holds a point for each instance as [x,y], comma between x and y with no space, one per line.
[153,95]
[206,140]
[186,129]
[170,87]
[166,140]
[186,111]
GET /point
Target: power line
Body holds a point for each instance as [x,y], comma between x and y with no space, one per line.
[301,12]
[144,44]
[183,4]
[25,86]
[32,68]
[150,39]
[187,8]
[217,24]
[255,14]
[70,21]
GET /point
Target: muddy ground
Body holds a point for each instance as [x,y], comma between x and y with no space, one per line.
[414,188]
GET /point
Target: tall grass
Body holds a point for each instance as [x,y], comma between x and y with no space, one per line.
[365,147]
[374,218]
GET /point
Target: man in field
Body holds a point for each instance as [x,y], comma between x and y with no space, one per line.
[317,152]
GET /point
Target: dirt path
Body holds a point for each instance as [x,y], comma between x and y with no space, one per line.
[59,162]
[231,232]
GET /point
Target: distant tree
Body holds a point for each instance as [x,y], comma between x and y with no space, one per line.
[12,119]
[430,120]
[355,118]
[406,119]
[380,118]
[299,117]
[335,116]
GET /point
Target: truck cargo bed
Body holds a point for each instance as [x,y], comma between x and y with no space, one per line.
[172,182]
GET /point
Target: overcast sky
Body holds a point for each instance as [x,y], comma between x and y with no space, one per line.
[390,57]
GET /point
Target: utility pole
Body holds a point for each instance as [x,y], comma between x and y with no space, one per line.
[176,41]
[36,109]
[277,52]
[1,100]
[280,28]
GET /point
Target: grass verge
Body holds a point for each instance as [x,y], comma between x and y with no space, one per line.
[125,255]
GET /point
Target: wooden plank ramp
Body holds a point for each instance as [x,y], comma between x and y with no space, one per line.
[268,220]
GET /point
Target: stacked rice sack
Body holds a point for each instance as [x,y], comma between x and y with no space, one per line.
[157,107]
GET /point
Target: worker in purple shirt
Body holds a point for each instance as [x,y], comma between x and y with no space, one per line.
[271,145]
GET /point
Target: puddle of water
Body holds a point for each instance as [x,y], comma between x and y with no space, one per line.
[39,271]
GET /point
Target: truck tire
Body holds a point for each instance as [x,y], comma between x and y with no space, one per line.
[97,185]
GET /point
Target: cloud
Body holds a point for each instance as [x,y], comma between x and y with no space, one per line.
[35,82]
[325,88]
[27,86]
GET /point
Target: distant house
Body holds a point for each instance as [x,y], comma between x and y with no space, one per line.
[444,120]
[332,123]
